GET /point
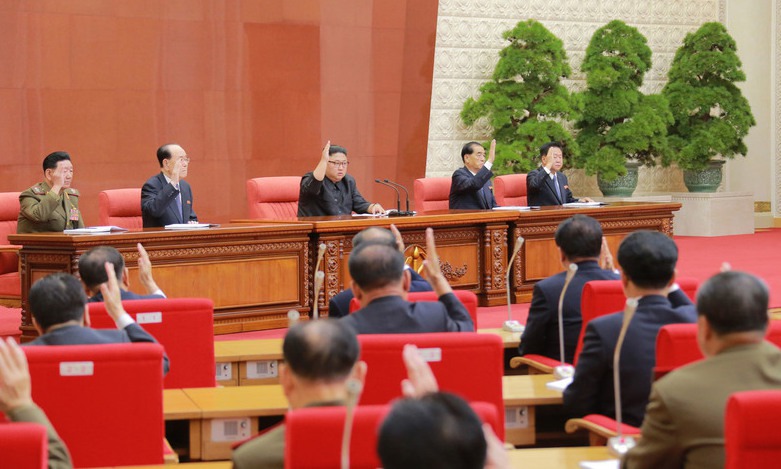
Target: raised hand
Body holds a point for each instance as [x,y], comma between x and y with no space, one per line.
[112,296]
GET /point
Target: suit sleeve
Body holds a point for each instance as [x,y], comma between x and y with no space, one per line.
[360,205]
[659,445]
[458,317]
[678,298]
[462,182]
[155,198]
[310,185]
[418,283]
[59,458]
[137,333]
[533,339]
[582,396]
[535,179]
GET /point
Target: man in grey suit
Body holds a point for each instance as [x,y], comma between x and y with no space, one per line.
[166,197]
[684,421]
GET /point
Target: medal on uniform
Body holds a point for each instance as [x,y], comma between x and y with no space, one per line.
[74,214]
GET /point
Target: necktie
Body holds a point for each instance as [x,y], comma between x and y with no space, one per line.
[558,190]
[179,207]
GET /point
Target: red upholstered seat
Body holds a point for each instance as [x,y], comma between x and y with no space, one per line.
[751,436]
[318,431]
[510,189]
[184,326]
[432,193]
[10,283]
[466,363]
[120,207]
[23,446]
[273,198]
[106,401]
[467,298]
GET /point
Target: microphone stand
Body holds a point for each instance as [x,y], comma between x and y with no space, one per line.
[354,388]
[408,213]
[511,325]
[319,279]
[564,370]
[398,212]
[620,444]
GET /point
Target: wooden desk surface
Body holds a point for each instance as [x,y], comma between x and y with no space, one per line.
[555,458]
[178,406]
[510,339]
[238,401]
[520,390]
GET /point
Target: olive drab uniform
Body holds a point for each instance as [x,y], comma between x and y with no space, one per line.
[44,211]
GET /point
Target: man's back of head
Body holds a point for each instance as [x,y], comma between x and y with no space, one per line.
[373,266]
[648,259]
[325,350]
[734,302]
[57,299]
[92,266]
[579,237]
[374,235]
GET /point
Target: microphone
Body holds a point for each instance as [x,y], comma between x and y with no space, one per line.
[564,370]
[398,195]
[319,279]
[354,388]
[406,192]
[620,444]
[292,317]
[511,325]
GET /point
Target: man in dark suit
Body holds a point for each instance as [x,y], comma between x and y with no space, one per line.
[471,185]
[339,306]
[380,283]
[92,271]
[547,185]
[580,242]
[647,259]
[684,421]
[166,197]
[59,310]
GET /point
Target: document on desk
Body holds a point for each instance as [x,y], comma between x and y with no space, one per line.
[94,230]
[559,385]
[370,215]
[519,208]
[606,464]
[190,226]
[585,204]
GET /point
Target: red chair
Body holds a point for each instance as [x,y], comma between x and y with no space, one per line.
[120,207]
[23,445]
[274,198]
[466,297]
[467,364]
[751,436]
[510,189]
[105,401]
[432,194]
[184,326]
[10,282]
[318,431]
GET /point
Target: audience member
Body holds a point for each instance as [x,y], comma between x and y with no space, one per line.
[166,198]
[92,270]
[51,205]
[684,421]
[471,187]
[647,259]
[547,185]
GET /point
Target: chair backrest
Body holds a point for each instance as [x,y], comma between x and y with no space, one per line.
[274,198]
[432,193]
[751,436]
[465,363]
[510,189]
[466,297]
[23,445]
[120,207]
[9,213]
[106,401]
[319,430]
[184,326]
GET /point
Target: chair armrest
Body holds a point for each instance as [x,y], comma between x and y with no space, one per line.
[537,364]
[10,248]
[600,428]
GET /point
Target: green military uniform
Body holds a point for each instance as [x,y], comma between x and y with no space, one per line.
[42,210]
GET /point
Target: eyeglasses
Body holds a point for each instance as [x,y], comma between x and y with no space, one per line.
[339,164]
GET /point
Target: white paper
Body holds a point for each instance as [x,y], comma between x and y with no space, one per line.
[187,226]
[559,385]
[385,214]
[606,464]
[520,208]
[94,230]
[584,204]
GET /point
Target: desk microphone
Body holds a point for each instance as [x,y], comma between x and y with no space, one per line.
[398,194]
[319,280]
[620,444]
[292,317]
[406,193]
[564,370]
[354,388]
[511,325]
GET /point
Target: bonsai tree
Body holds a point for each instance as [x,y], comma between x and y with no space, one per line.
[617,122]
[524,101]
[711,114]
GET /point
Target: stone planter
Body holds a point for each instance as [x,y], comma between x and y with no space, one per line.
[706,180]
[622,186]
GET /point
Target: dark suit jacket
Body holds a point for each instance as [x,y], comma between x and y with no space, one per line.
[473,192]
[77,335]
[158,202]
[339,306]
[327,198]
[394,315]
[591,391]
[540,189]
[126,295]
[541,335]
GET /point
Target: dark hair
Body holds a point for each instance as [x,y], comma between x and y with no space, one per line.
[468,149]
[323,350]
[337,149]
[164,152]
[439,430]
[375,235]
[374,265]
[648,258]
[51,160]
[92,265]
[734,302]
[56,299]
[545,148]
[579,236]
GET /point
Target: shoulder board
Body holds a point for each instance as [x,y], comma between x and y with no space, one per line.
[73,192]
[38,190]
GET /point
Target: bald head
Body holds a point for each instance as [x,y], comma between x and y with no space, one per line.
[374,235]
[325,350]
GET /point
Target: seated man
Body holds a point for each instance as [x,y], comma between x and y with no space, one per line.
[580,242]
[547,185]
[339,306]
[92,269]
[51,205]
[320,359]
[166,198]
[17,404]
[329,190]
[380,283]
[647,259]
[684,421]
[470,187]
[60,314]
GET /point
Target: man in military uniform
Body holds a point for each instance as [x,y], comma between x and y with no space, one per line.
[51,205]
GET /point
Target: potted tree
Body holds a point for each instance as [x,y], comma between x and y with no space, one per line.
[711,115]
[525,103]
[620,128]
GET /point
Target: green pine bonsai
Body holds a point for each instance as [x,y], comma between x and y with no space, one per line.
[711,114]
[524,101]
[617,122]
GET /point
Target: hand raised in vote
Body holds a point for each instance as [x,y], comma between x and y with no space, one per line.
[112,296]
[15,388]
[420,379]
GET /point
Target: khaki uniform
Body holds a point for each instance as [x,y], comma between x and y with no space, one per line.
[43,211]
